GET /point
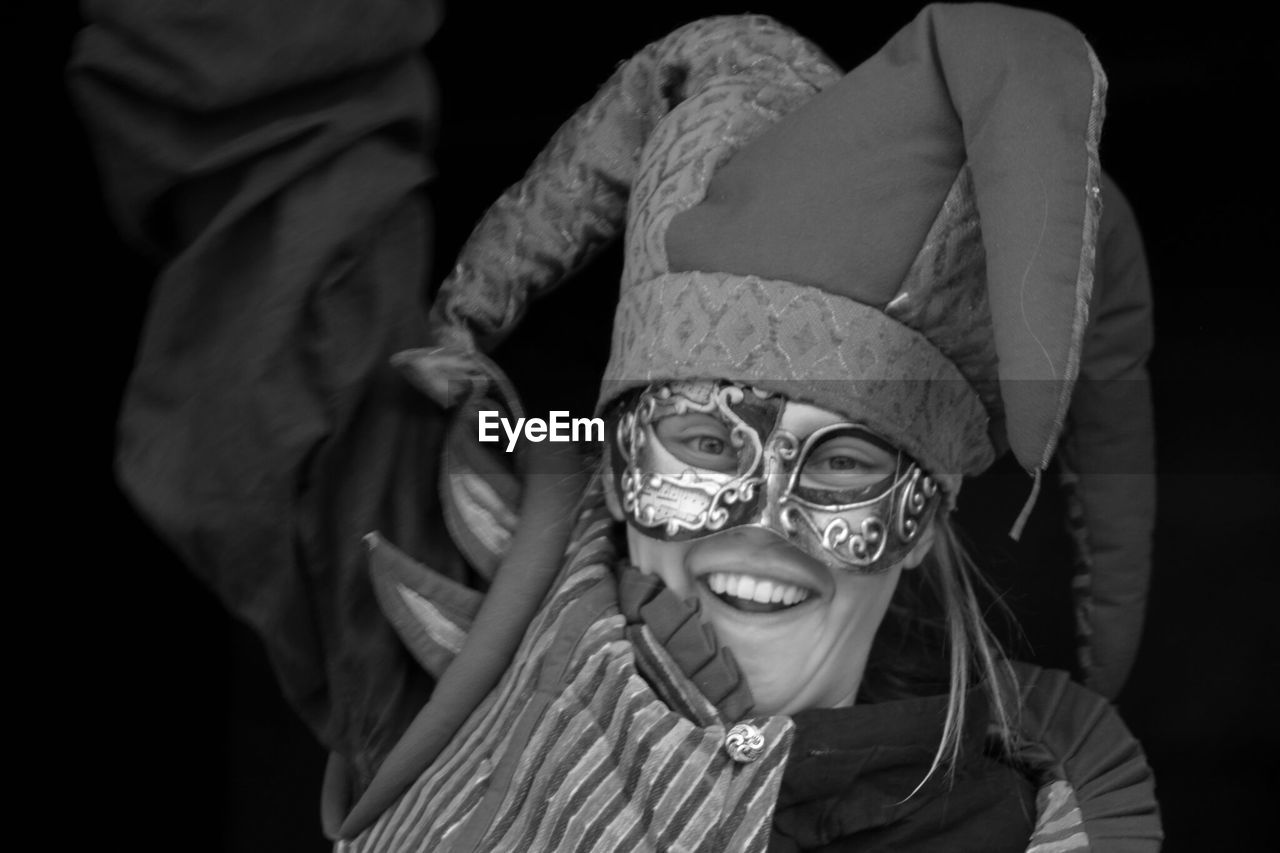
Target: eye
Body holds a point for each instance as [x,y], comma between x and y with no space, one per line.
[708,444]
[699,440]
[845,462]
[838,462]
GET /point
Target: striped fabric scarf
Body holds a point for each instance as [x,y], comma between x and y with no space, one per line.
[576,751]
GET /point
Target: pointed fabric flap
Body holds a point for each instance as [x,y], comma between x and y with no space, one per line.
[1108,455]
[1029,93]
[480,490]
[431,613]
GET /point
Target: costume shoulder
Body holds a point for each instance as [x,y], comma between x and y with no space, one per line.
[1096,791]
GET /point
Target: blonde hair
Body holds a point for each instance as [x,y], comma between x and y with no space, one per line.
[935,614]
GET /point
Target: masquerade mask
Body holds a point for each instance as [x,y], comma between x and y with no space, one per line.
[698,458]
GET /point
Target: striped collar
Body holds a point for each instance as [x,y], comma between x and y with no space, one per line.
[676,625]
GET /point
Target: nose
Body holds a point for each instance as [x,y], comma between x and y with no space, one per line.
[752,536]
[758,549]
[751,540]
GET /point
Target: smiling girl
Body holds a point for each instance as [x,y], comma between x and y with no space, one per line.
[750,626]
[841,295]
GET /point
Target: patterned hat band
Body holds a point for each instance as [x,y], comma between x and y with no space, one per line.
[809,345]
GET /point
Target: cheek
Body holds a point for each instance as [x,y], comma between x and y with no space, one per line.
[861,601]
[667,560]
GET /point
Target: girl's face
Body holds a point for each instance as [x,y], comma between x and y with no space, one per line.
[800,629]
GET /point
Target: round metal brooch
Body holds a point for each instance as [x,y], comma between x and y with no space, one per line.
[744,743]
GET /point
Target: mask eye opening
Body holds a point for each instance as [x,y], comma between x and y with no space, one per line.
[849,490]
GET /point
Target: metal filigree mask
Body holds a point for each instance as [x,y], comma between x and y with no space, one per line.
[698,458]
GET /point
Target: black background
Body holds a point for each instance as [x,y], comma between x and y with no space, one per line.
[175,719]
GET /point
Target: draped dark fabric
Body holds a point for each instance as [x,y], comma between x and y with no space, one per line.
[272,157]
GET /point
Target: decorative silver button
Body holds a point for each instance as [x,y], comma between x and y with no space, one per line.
[744,743]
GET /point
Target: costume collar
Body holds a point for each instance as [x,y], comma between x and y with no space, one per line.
[676,625]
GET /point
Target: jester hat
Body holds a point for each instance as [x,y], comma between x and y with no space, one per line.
[917,244]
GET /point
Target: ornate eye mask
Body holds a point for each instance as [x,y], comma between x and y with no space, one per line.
[697,458]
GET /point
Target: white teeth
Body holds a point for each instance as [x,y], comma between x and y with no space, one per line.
[763,592]
[756,589]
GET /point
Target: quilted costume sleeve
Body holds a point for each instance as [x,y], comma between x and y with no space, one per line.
[1097,792]
[272,158]
[1108,455]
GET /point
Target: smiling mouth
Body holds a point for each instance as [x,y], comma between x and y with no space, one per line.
[753,594]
